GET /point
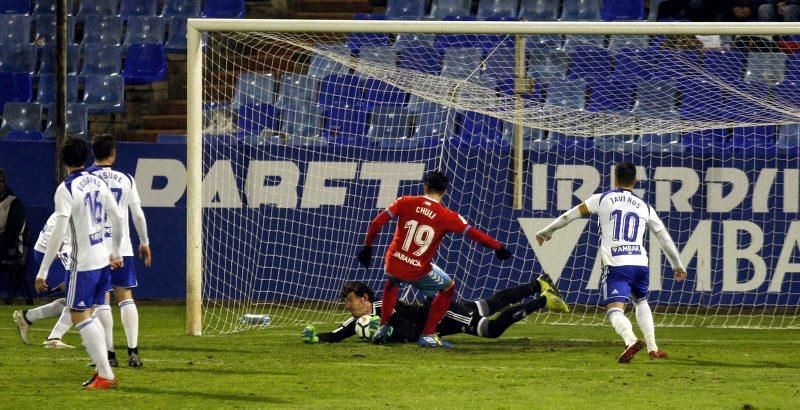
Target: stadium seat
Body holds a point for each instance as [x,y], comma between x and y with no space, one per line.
[144,30]
[532,138]
[345,124]
[538,10]
[793,68]
[748,102]
[788,137]
[405,40]
[562,142]
[357,41]
[224,9]
[497,8]
[700,99]
[617,42]
[15,87]
[104,94]
[176,39]
[623,10]
[301,120]
[41,7]
[709,141]
[754,139]
[46,89]
[545,65]
[77,122]
[105,30]
[499,66]
[22,121]
[15,29]
[48,63]
[636,63]
[618,143]
[588,62]
[477,129]
[369,57]
[610,94]
[727,65]
[379,93]
[297,89]
[765,67]
[463,63]
[341,91]
[569,94]
[787,95]
[128,8]
[322,66]
[102,60]
[585,40]
[145,63]
[434,123]
[254,117]
[406,9]
[254,88]
[388,122]
[580,10]
[666,142]
[20,58]
[550,41]
[426,59]
[15,6]
[170,139]
[46,30]
[656,99]
[97,8]
[181,8]
[675,64]
[443,8]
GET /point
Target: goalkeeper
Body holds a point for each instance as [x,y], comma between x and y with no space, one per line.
[470,317]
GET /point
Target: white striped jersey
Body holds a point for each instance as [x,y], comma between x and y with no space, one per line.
[124,191]
[44,237]
[622,217]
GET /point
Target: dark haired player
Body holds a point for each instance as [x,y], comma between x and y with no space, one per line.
[622,217]
[422,223]
[470,317]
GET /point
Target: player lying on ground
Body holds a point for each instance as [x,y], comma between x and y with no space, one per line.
[55,282]
[470,317]
[625,266]
[422,223]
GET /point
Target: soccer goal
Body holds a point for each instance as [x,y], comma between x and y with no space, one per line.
[301,131]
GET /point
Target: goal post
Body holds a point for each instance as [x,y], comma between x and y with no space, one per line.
[299,131]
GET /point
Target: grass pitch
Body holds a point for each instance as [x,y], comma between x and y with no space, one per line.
[532,366]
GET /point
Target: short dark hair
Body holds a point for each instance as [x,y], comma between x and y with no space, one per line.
[74,152]
[359,289]
[625,173]
[436,181]
[102,145]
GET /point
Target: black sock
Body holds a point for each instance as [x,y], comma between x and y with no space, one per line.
[25,316]
[508,296]
[133,350]
[112,355]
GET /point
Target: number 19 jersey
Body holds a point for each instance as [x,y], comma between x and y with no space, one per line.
[622,217]
[422,223]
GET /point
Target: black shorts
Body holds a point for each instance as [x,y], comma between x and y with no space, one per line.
[462,317]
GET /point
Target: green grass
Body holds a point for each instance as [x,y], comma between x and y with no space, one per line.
[532,366]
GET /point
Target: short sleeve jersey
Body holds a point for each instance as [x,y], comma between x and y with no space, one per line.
[84,198]
[123,189]
[422,222]
[622,217]
[44,237]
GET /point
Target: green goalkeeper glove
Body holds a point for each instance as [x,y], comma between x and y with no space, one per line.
[309,335]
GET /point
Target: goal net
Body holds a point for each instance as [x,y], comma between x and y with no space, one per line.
[301,138]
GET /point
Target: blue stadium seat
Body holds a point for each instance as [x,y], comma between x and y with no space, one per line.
[538,10]
[297,89]
[379,93]
[102,60]
[549,41]
[426,59]
[22,121]
[46,89]
[623,10]
[370,56]
[788,138]
[545,65]
[181,8]
[322,66]
[176,39]
[253,118]
[254,88]
[462,63]
[497,8]
[434,123]
[404,40]
[793,68]
[589,61]
[145,63]
[766,67]
[341,91]
[77,122]
[48,63]
[610,94]
[105,30]
[567,94]
[301,121]
[478,129]
[727,65]
[499,66]
[754,139]
[357,41]
[443,8]
[128,8]
[618,143]
[15,29]
[15,6]
[15,87]
[406,9]
[170,139]
[787,95]
[46,30]
[224,9]
[49,7]
[144,30]
[675,64]
[618,42]
[748,102]
[562,142]
[346,125]
[104,94]
[19,58]
[97,7]
[636,63]
[666,142]
[656,99]
[532,138]
[572,42]
[388,122]
[708,141]
[580,10]
[700,99]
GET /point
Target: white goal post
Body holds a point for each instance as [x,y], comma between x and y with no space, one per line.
[527,119]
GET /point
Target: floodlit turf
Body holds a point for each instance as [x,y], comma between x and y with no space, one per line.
[532,366]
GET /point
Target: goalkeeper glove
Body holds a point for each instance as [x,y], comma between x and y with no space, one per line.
[365,256]
[309,335]
[502,253]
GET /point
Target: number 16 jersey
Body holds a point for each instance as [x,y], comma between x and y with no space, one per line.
[422,222]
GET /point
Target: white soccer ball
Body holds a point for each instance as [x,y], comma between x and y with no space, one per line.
[363,330]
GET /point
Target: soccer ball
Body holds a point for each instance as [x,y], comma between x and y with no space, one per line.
[363,329]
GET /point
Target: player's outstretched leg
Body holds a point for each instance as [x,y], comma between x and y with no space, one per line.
[554,302]
[501,299]
[546,284]
[644,317]
[495,327]
[59,329]
[23,325]
[25,318]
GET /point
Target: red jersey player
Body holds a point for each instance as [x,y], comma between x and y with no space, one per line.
[422,223]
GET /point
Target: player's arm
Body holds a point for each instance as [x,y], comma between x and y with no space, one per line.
[61,221]
[581,211]
[139,222]
[114,214]
[345,330]
[655,225]
[365,254]
[457,223]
